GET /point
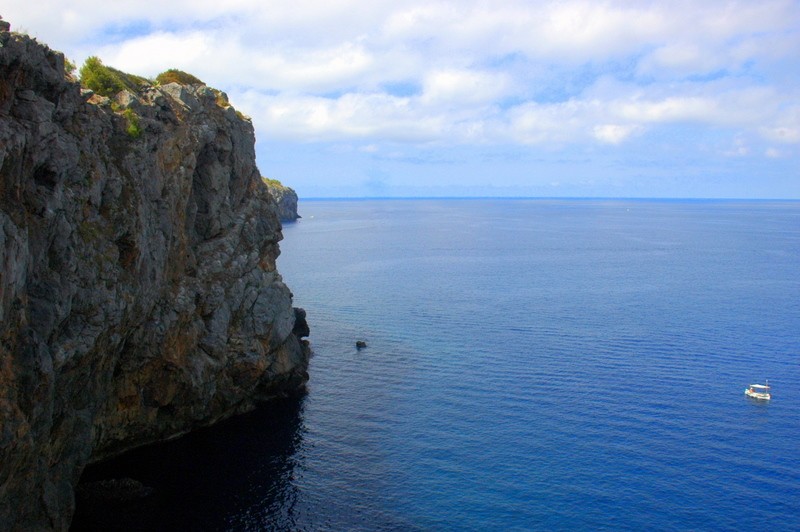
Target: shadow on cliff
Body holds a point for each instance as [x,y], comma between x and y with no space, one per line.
[238,474]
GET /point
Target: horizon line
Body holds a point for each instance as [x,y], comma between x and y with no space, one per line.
[580,198]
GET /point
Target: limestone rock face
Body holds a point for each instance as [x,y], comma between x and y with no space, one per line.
[286,198]
[138,292]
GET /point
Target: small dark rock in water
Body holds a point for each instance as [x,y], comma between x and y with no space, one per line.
[301,329]
[361,344]
[113,490]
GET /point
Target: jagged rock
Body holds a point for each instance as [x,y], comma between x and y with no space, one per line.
[286,198]
[139,297]
[301,328]
[361,344]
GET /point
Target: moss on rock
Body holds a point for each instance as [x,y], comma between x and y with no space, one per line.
[173,75]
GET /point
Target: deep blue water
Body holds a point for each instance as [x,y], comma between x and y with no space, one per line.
[531,365]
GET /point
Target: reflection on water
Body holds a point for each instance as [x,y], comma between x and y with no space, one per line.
[236,475]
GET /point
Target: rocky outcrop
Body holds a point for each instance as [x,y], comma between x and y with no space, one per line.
[285,197]
[139,297]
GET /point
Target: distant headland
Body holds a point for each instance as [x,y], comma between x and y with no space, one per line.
[285,197]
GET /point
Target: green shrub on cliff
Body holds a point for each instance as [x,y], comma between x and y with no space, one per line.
[99,78]
[108,81]
[272,182]
[173,75]
[133,129]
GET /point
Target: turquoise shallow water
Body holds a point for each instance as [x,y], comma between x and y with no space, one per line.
[531,365]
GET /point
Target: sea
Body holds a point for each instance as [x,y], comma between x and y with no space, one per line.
[530,364]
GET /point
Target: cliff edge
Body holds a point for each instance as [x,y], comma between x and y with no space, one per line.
[285,197]
[139,297]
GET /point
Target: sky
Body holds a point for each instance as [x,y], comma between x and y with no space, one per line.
[408,98]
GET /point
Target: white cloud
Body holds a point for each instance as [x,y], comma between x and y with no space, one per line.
[615,133]
[682,59]
[441,115]
[453,87]
[558,123]
[531,72]
[352,115]
[671,109]
[222,59]
[159,51]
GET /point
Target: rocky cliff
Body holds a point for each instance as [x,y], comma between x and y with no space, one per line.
[285,197]
[139,297]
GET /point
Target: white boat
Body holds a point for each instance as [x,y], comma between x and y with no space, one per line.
[758,391]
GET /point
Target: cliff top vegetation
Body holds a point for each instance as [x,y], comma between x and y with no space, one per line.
[272,182]
[108,81]
[173,75]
